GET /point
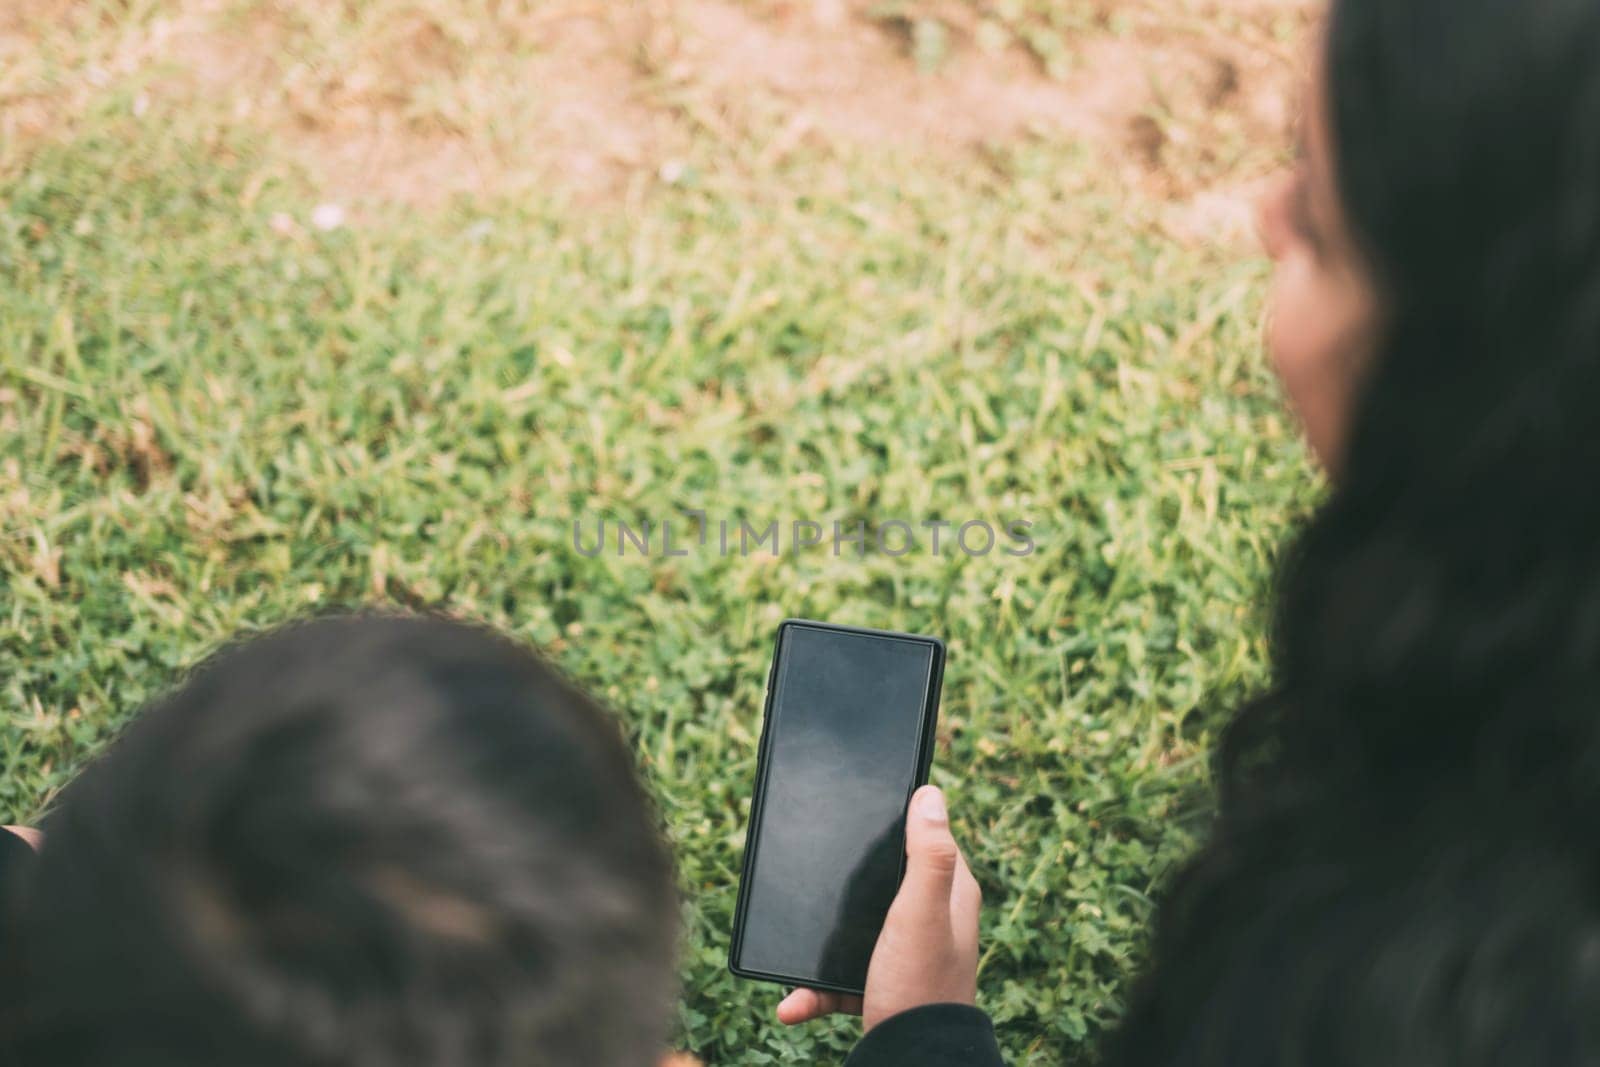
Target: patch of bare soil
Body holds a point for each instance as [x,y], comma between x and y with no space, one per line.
[416,115]
[850,79]
[1188,101]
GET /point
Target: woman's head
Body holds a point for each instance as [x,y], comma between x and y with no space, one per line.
[1404,870]
[1438,324]
[1437,245]
[356,840]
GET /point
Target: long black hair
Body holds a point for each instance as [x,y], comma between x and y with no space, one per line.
[1404,868]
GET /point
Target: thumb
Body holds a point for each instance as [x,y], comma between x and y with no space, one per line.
[932,856]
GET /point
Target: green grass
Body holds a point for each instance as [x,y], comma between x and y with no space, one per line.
[209,425]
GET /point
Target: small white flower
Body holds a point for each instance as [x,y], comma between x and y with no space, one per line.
[281,224]
[327,217]
[673,171]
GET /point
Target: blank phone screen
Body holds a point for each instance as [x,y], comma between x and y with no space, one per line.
[844,742]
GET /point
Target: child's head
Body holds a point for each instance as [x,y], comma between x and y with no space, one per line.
[361,840]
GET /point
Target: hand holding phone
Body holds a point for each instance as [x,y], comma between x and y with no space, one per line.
[847,738]
[928,950]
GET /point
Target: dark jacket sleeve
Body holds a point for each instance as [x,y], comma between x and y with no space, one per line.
[938,1035]
[15,854]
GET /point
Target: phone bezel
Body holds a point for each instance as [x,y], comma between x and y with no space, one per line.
[930,718]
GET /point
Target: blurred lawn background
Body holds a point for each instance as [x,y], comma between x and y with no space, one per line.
[368,301]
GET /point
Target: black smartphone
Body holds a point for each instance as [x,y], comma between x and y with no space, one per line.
[847,738]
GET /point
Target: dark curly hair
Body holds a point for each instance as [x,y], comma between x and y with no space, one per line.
[352,842]
[1403,868]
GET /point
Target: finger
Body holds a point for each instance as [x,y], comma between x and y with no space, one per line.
[803,1005]
[966,904]
[28,834]
[932,859]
